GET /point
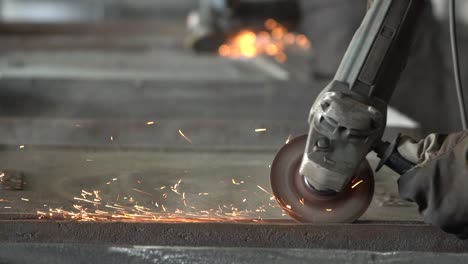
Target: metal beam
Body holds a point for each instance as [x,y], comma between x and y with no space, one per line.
[72,253]
[368,236]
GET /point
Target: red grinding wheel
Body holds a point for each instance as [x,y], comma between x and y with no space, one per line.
[305,204]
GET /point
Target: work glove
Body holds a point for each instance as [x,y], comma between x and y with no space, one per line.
[438,184]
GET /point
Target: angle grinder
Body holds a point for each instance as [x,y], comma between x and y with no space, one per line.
[324,177]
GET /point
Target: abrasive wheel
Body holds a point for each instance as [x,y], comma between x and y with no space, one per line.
[305,204]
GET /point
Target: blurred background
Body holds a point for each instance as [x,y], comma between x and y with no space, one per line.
[177,107]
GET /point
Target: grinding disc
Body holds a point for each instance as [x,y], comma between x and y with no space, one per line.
[305,204]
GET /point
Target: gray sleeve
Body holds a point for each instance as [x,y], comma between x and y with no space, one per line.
[439,184]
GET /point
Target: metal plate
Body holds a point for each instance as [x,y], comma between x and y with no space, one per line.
[304,204]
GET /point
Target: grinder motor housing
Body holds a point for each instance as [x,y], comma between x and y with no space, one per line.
[348,118]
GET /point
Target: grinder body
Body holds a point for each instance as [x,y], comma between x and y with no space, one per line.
[348,118]
[324,176]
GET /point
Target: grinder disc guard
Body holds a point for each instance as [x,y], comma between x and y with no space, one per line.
[305,204]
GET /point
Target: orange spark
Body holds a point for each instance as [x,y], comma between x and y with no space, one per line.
[96,194]
[302,201]
[237,183]
[356,184]
[281,57]
[278,32]
[85,193]
[290,39]
[272,42]
[328,210]
[261,130]
[261,188]
[183,135]
[302,41]
[271,24]
[246,42]
[224,50]
[271,49]
[150,123]
[95,209]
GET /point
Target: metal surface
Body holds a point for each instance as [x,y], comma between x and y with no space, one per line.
[11,180]
[303,203]
[383,237]
[221,114]
[70,253]
[202,171]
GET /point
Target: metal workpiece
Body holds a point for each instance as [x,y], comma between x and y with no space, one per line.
[73,253]
[368,236]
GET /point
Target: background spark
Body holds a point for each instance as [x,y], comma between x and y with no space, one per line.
[184,136]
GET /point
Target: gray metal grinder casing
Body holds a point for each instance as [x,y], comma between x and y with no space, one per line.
[348,118]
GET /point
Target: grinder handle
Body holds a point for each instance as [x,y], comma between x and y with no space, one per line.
[379,50]
[389,156]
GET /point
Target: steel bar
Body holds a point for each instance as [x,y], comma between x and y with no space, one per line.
[369,236]
[72,253]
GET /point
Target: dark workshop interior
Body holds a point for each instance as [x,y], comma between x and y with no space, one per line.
[146,131]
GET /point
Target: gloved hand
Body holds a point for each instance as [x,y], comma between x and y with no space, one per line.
[439,181]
